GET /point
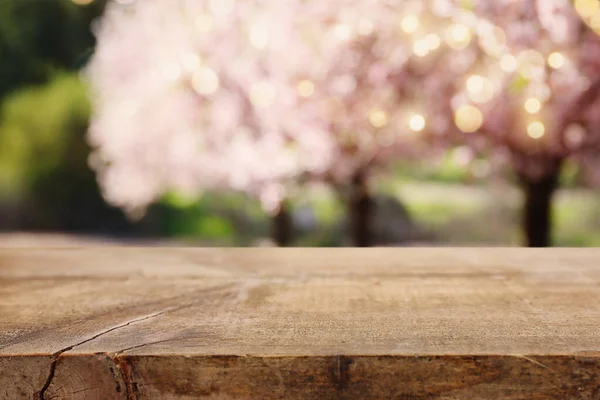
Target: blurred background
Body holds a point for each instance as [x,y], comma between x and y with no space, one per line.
[50,195]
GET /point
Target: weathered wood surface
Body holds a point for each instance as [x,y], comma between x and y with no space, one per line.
[104,323]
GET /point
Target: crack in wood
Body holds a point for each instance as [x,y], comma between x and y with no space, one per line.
[39,395]
[175,300]
[143,345]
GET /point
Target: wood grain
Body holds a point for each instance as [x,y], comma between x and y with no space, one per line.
[165,323]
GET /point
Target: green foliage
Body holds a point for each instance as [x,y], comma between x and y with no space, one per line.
[222,219]
[445,170]
[43,158]
[35,126]
[214,227]
[570,174]
[37,38]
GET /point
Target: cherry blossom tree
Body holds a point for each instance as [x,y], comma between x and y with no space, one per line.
[187,99]
[373,60]
[530,97]
[368,73]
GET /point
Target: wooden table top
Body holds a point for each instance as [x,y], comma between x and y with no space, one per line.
[167,323]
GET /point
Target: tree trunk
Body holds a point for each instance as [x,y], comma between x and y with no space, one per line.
[361,210]
[537,210]
[282,226]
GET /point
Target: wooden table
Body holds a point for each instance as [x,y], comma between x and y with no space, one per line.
[108,323]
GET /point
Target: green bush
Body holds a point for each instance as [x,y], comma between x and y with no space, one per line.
[36,126]
[43,160]
[37,38]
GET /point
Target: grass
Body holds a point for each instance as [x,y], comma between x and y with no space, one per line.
[474,215]
[454,214]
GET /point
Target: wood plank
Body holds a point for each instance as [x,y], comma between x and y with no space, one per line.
[165,323]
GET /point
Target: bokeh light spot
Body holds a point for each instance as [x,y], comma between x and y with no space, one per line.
[305,88]
[533,105]
[205,81]
[556,60]
[421,48]
[480,89]
[410,23]
[468,118]
[259,36]
[433,41]
[536,130]
[378,118]
[508,63]
[458,36]
[342,31]
[417,122]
